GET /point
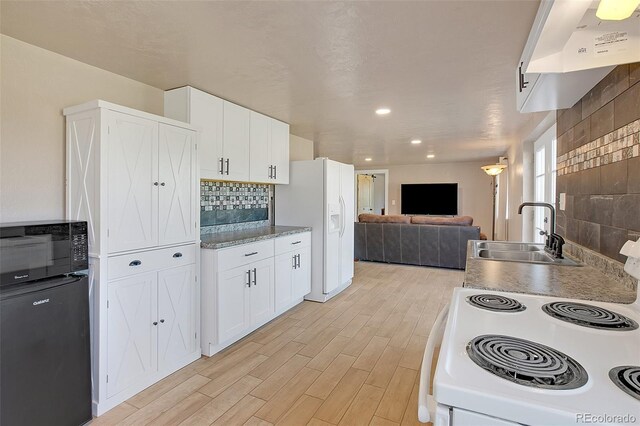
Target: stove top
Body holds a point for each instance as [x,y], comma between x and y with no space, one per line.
[627,378]
[589,316]
[495,302]
[526,363]
[530,367]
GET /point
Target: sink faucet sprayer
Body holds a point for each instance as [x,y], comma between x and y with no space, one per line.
[554,241]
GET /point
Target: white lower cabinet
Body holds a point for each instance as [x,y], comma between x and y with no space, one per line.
[246,286]
[152,322]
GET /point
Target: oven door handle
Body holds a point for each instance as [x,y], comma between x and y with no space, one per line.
[425,399]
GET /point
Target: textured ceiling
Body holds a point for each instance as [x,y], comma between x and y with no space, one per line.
[445,68]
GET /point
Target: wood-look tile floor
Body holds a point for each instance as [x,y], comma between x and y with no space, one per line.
[354,360]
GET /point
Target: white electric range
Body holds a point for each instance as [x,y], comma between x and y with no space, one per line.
[522,359]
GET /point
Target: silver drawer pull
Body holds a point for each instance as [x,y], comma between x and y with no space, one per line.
[296,242]
[178,254]
[135,263]
[251,254]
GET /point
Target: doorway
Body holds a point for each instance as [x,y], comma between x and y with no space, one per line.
[372,191]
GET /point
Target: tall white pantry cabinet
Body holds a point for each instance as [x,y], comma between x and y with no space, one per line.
[133,177]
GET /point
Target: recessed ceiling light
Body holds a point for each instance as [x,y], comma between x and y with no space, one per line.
[431,156]
[416,141]
[367,159]
[383,111]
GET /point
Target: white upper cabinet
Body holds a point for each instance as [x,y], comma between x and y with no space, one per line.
[132,182]
[280,151]
[260,148]
[237,144]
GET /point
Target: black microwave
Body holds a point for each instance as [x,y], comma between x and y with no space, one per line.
[35,250]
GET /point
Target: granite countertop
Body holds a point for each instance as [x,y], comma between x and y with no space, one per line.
[574,282]
[233,238]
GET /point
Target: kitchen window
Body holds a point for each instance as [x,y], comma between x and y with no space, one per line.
[545,153]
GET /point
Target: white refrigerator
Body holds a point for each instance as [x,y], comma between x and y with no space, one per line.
[320,194]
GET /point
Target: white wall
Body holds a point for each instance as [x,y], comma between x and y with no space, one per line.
[474,187]
[36,85]
[300,148]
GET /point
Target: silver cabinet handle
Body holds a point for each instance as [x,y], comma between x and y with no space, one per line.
[221,165]
[270,172]
[248,283]
[298,256]
[135,263]
[156,183]
[227,161]
[251,254]
[162,321]
[162,184]
[255,277]
[296,242]
[155,323]
[275,172]
[178,254]
[295,263]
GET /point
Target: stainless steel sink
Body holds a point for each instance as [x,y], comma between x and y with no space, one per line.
[490,245]
[517,252]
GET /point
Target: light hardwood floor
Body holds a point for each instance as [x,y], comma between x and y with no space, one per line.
[354,360]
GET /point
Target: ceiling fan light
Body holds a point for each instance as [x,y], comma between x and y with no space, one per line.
[616,10]
[494,169]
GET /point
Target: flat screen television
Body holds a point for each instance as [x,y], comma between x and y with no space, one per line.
[429,198]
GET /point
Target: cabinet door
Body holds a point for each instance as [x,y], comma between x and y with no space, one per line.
[233,302]
[262,304]
[131,335]
[206,112]
[283,295]
[261,167]
[132,182]
[177,198]
[302,274]
[176,315]
[235,149]
[280,150]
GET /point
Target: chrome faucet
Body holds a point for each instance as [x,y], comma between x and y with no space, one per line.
[554,241]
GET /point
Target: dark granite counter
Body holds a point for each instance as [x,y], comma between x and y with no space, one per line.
[233,238]
[574,282]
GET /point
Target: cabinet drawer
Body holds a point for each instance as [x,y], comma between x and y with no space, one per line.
[233,257]
[292,242]
[147,261]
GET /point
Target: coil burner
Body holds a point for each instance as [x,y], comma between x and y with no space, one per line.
[526,363]
[589,316]
[627,378]
[496,303]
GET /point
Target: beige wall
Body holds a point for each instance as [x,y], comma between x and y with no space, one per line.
[474,187]
[36,85]
[300,148]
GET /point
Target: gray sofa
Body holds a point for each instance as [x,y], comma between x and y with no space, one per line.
[413,244]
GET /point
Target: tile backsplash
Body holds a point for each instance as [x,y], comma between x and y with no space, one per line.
[599,165]
[227,203]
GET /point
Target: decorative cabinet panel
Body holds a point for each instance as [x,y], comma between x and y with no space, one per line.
[132,338]
[233,316]
[132,170]
[261,307]
[177,298]
[237,144]
[151,195]
[177,202]
[133,177]
[292,276]
[301,283]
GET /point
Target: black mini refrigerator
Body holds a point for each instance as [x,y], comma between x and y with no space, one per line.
[45,366]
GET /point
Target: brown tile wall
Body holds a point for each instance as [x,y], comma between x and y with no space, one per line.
[599,164]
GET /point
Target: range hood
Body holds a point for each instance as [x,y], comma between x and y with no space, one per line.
[567,36]
[569,50]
